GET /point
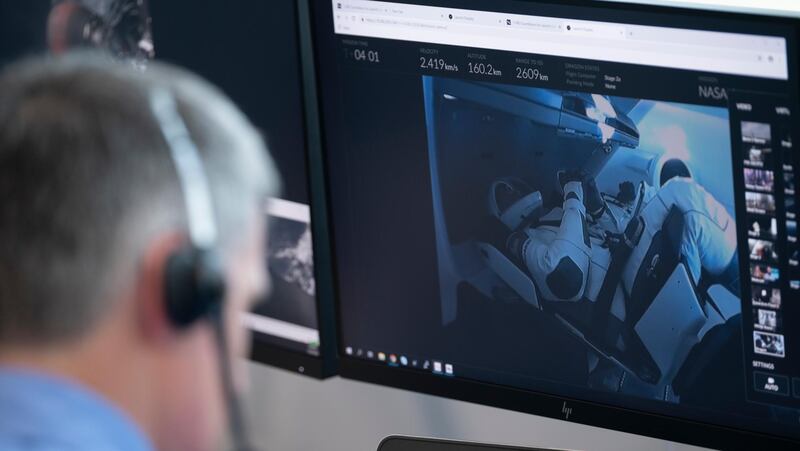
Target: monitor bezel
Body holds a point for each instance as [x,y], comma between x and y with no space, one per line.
[544,404]
[413,443]
[262,350]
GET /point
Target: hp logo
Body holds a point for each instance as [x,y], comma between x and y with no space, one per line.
[566,411]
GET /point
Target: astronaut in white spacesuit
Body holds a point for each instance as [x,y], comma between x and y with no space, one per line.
[560,257]
[642,308]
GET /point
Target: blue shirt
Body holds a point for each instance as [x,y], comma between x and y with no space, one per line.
[45,413]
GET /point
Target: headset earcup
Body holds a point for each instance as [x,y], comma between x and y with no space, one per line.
[211,287]
[182,306]
[193,287]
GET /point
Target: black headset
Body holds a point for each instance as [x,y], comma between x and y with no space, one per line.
[194,281]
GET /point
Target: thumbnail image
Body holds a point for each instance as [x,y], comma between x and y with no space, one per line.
[788,158]
[791,230]
[757,156]
[760,203]
[791,207]
[766,320]
[766,297]
[794,284]
[794,258]
[756,133]
[762,227]
[533,154]
[759,180]
[769,344]
[762,273]
[763,251]
[789,186]
[786,141]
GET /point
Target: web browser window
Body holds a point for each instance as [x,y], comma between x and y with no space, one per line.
[599,204]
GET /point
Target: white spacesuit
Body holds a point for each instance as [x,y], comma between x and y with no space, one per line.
[639,287]
[560,258]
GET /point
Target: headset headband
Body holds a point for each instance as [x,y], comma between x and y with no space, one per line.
[189,166]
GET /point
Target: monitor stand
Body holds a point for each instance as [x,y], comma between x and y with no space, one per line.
[397,443]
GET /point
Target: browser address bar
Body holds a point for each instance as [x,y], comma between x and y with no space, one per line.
[406,23]
[566,38]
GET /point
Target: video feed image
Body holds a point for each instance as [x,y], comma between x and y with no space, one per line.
[757,156]
[561,179]
[292,301]
[789,186]
[759,180]
[762,251]
[791,230]
[766,297]
[756,133]
[769,344]
[766,320]
[760,203]
[762,227]
[762,273]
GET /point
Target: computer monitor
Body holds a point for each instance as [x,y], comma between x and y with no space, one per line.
[576,209]
[251,50]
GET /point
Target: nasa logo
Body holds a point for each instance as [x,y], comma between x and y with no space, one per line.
[712,92]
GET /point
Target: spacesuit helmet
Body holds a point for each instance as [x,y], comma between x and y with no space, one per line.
[674,168]
[513,202]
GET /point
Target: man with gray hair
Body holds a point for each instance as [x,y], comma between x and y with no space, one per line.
[94,209]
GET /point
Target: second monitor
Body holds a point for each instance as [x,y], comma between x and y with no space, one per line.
[251,50]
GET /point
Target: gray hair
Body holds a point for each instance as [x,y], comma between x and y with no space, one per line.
[86,180]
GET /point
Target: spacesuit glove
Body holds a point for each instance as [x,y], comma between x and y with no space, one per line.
[594,202]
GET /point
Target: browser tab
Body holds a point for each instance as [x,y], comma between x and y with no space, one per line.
[708,51]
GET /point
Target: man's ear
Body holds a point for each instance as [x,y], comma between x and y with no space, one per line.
[151,302]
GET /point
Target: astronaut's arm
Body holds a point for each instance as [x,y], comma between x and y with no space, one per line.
[560,268]
[709,240]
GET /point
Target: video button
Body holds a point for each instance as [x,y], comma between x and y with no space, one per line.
[771,383]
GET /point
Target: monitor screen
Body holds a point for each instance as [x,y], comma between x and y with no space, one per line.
[251,51]
[592,203]
[24,29]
